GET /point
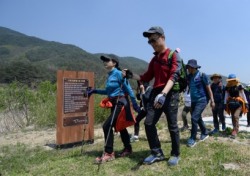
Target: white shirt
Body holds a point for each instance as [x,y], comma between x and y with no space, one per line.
[187,98]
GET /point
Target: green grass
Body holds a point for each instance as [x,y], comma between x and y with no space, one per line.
[206,158]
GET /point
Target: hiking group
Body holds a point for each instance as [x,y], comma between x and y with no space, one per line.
[171,77]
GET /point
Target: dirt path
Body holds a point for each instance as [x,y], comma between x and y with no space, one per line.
[47,137]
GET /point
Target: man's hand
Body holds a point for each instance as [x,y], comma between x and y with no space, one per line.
[212,104]
[159,100]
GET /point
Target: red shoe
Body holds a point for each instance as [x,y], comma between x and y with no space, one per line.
[105,158]
[125,152]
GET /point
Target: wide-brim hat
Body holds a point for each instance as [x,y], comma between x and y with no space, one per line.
[193,63]
[232,77]
[215,75]
[153,30]
[110,57]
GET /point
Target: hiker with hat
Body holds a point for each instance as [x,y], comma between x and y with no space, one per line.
[235,101]
[117,89]
[163,98]
[200,92]
[218,93]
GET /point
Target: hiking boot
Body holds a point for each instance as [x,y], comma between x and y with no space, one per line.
[156,155]
[134,139]
[105,158]
[204,137]
[184,128]
[125,152]
[215,131]
[173,160]
[223,127]
[191,142]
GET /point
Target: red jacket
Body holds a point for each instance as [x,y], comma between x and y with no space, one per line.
[161,71]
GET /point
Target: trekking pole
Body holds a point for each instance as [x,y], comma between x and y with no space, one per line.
[85,94]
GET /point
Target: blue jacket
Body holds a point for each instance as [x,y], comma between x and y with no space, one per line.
[114,83]
[197,83]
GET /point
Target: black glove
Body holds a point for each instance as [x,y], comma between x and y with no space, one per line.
[136,108]
[91,91]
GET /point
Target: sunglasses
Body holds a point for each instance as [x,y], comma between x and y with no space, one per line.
[153,40]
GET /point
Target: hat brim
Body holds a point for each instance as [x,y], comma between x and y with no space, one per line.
[232,79]
[105,58]
[148,33]
[193,66]
[212,77]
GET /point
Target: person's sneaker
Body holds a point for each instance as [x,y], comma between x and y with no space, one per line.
[204,137]
[134,139]
[223,127]
[125,152]
[105,158]
[173,160]
[191,142]
[184,128]
[154,157]
[215,131]
[248,125]
[234,133]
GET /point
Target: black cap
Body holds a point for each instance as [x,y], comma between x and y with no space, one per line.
[110,57]
[153,30]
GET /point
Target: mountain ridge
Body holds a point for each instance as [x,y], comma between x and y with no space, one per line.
[46,57]
[20,54]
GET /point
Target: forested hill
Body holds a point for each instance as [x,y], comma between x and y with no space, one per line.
[30,59]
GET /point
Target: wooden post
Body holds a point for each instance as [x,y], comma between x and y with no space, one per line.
[75,111]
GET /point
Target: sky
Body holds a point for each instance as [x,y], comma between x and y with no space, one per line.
[214,32]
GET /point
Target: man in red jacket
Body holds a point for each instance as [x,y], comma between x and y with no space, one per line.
[162,98]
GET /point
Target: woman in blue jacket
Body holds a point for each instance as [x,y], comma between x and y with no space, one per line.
[117,89]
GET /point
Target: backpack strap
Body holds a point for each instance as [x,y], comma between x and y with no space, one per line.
[204,86]
[170,56]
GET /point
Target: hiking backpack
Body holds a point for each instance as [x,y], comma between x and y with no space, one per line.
[204,86]
[182,83]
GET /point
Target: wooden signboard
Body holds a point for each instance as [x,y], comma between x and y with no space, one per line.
[75,110]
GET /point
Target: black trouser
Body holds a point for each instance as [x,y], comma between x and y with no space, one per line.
[139,117]
[170,108]
[185,111]
[109,138]
[248,117]
[218,111]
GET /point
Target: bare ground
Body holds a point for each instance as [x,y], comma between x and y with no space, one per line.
[44,137]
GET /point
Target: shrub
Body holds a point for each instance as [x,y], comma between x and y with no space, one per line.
[43,107]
